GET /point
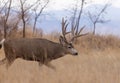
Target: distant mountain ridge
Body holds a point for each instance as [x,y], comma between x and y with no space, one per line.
[53,21]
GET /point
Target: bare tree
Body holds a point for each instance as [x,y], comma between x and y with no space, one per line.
[8,27]
[75,21]
[13,27]
[2,7]
[96,18]
[24,12]
[6,9]
[38,9]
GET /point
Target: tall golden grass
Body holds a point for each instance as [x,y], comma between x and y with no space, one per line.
[98,62]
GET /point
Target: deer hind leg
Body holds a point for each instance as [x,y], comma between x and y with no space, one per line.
[3,61]
[9,62]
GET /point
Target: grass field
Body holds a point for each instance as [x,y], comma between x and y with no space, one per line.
[95,65]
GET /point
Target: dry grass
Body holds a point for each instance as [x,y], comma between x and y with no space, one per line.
[98,62]
[98,43]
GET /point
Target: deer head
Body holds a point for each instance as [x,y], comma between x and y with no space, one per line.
[75,34]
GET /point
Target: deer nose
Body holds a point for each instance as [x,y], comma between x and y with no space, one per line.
[76,53]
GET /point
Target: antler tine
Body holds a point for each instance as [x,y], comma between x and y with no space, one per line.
[78,36]
[73,30]
[77,33]
[64,28]
[81,35]
[81,29]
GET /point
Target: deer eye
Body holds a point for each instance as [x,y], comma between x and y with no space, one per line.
[69,47]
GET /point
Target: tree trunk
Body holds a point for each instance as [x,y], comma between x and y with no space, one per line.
[94,27]
[34,26]
[5,33]
[24,35]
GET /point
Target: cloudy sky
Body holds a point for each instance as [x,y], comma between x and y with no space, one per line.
[61,4]
[113,13]
[57,6]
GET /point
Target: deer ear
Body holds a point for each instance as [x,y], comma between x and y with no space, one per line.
[62,41]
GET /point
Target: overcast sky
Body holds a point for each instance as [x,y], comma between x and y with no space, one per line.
[111,27]
[61,4]
[66,4]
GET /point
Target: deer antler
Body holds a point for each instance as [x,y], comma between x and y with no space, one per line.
[74,31]
[64,28]
[77,33]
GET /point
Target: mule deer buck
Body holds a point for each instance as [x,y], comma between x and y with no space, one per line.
[37,49]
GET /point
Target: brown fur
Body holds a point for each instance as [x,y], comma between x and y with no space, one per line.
[35,49]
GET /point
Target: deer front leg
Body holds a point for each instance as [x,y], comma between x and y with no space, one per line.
[48,64]
[40,64]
